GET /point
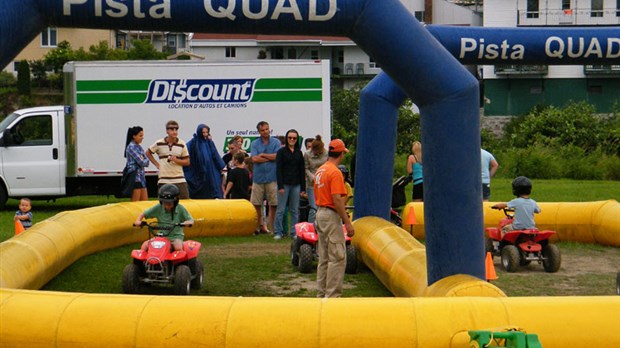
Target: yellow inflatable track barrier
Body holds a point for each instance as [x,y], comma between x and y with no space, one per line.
[586,222]
[441,319]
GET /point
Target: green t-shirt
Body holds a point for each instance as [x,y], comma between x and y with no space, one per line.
[165,218]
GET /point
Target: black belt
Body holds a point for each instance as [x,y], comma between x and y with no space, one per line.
[330,208]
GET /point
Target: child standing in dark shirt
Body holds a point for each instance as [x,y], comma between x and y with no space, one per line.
[24,214]
[238,180]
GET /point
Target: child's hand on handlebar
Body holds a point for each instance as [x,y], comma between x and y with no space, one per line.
[138,223]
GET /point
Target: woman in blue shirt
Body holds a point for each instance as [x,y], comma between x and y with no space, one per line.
[136,161]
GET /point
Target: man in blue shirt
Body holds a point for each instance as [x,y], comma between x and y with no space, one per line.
[489,167]
[263,152]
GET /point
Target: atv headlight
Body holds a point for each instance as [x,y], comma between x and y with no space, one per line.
[158,244]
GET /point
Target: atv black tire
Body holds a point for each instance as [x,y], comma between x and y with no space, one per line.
[182,280]
[511,258]
[488,246]
[131,279]
[295,245]
[305,258]
[618,283]
[552,258]
[198,269]
[351,267]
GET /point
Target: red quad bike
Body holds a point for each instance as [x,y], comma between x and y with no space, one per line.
[520,247]
[304,251]
[157,263]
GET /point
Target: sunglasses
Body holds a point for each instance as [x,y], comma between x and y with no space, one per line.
[292,138]
[172,128]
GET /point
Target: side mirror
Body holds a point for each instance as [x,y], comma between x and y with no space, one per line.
[4,138]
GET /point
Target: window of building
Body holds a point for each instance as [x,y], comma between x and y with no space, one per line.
[277,53]
[419,15]
[231,52]
[596,8]
[314,54]
[291,53]
[617,8]
[121,40]
[171,40]
[373,64]
[565,4]
[532,8]
[341,55]
[49,37]
[182,42]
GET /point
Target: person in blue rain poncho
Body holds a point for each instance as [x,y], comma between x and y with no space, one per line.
[203,175]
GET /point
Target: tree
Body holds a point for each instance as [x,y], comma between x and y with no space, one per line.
[23,78]
[56,58]
[144,50]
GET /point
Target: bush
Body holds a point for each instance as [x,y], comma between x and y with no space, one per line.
[23,78]
[7,79]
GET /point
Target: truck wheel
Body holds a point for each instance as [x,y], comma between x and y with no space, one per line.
[182,279]
[3,197]
[131,279]
[552,258]
[510,258]
[198,269]
[351,267]
[295,245]
[305,258]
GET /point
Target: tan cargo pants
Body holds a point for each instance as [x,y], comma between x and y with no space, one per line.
[332,253]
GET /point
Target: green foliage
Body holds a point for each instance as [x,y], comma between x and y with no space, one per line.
[23,78]
[7,101]
[7,79]
[39,72]
[576,124]
[56,58]
[144,50]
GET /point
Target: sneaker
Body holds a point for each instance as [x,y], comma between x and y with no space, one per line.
[264,231]
[277,237]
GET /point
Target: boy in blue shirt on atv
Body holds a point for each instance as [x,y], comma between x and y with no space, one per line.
[169,212]
[524,207]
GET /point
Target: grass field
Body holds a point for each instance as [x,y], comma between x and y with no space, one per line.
[260,266]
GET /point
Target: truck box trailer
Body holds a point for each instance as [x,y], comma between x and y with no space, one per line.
[77,148]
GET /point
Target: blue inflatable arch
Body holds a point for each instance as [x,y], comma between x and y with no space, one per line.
[419,63]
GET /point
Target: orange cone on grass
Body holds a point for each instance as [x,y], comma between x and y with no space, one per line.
[490,268]
[411,219]
[19,228]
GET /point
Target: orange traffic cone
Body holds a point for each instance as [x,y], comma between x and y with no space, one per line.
[490,268]
[19,228]
[411,219]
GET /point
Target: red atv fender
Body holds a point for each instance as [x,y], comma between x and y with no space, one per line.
[191,248]
[305,231]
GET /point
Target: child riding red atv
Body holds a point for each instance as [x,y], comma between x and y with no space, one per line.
[516,239]
[165,258]
[304,250]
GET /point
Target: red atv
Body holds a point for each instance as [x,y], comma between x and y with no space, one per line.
[520,247]
[157,263]
[304,252]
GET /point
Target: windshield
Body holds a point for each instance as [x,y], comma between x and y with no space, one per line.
[7,121]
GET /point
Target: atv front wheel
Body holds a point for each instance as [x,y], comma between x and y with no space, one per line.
[488,246]
[182,279]
[510,258]
[131,279]
[552,258]
[351,267]
[197,268]
[305,258]
[295,245]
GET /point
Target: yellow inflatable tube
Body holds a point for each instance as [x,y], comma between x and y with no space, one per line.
[584,222]
[44,319]
[30,260]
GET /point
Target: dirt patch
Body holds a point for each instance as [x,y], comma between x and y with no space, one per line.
[244,250]
[287,284]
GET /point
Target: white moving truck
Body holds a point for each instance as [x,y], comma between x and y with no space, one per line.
[77,149]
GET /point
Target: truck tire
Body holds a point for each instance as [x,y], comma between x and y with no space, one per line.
[182,279]
[510,258]
[305,258]
[552,258]
[198,269]
[3,197]
[351,267]
[131,279]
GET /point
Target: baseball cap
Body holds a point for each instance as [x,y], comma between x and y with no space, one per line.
[337,145]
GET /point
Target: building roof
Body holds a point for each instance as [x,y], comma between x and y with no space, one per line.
[274,39]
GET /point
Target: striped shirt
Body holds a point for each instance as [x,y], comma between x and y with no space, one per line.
[169,172]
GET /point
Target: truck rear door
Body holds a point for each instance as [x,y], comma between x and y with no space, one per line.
[32,161]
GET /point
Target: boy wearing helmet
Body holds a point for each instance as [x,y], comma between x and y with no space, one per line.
[169,212]
[524,207]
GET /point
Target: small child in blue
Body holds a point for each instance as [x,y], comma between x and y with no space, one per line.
[524,207]
[24,215]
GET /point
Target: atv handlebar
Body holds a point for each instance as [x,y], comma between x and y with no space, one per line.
[509,212]
[154,227]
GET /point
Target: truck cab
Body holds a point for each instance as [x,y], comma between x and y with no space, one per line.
[32,154]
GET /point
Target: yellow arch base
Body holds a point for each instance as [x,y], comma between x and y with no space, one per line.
[43,319]
[586,222]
